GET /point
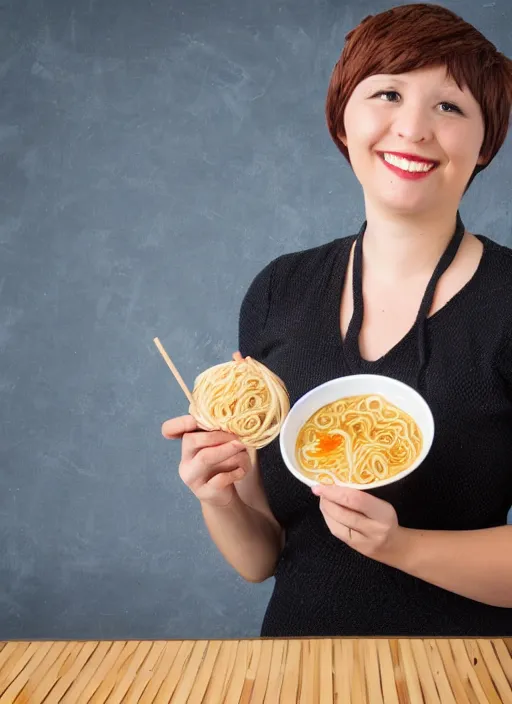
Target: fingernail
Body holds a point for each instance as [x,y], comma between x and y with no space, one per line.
[237,443]
[316,490]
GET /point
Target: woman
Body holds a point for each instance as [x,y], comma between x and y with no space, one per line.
[418,103]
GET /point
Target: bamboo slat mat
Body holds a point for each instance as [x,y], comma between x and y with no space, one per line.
[323,671]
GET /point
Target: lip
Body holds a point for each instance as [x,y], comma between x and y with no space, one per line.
[411,157]
[409,175]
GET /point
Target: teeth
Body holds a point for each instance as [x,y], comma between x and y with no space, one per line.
[413,166]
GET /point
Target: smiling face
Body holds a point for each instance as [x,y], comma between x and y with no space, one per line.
[413,139]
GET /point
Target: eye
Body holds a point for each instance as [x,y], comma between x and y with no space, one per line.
[392,96]
[387,93]
[450,108]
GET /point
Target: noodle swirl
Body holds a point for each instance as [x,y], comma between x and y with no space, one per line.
[242,397]
[360,440]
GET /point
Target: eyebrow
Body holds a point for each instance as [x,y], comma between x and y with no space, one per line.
[385,76]
[393,78]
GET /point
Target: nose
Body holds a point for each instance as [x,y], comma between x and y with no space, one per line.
[412,123]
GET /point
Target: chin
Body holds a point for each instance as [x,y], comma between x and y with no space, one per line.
[404,206]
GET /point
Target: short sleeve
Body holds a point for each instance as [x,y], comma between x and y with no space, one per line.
[254,312]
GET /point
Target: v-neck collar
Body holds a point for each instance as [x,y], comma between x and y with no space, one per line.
[350,345]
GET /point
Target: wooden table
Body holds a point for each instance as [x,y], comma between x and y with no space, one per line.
[316,671]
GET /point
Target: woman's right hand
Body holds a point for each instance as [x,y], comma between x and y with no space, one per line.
[211,461]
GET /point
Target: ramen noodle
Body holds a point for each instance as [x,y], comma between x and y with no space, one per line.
[360,440]
[242,397]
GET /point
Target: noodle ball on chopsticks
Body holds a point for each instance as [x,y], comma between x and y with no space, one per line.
[242,397]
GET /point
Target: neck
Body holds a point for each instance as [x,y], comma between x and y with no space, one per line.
[399,247]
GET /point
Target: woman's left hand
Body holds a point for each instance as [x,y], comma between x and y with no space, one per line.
[365,523]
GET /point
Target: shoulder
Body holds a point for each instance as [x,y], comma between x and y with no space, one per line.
[296,269]
[497,272]
[497,298]
[281,288]
[314,256]
[499,254]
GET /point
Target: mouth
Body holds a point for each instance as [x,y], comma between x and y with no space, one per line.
[408,166]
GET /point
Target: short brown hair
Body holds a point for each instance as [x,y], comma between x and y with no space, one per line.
[411,37]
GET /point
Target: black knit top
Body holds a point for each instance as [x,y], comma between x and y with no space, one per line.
[290,321]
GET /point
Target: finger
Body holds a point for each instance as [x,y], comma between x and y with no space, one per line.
[209,457]
[209,461]
[239,461]
[195,477]
[354,499]
[194,442]
[224,479]
[345,517]
[233,463]
[175,428]
[344,533]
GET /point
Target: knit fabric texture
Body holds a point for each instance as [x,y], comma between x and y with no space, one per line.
[290,321]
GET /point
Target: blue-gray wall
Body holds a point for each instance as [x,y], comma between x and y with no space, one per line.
[154,156]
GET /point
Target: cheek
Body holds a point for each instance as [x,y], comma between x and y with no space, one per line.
[364,128]
[362,141]
[462,147]
[369,135]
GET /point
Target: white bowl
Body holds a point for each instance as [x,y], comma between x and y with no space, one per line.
[394,391]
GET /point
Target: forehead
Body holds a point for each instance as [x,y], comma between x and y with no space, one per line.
[432,76]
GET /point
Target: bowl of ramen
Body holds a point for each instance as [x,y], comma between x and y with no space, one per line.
[363,431]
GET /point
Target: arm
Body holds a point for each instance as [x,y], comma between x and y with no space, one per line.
[245,531]
[475,564]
